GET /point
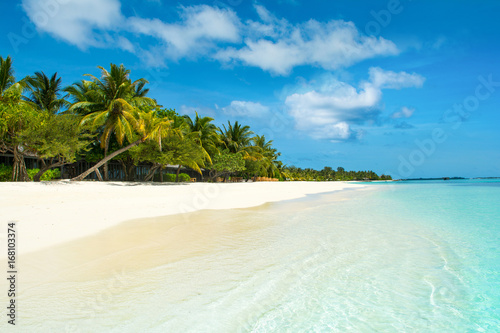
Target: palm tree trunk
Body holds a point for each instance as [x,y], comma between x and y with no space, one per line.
[106,159]
[177,174]
[106,149]
[161,173]
[98,173]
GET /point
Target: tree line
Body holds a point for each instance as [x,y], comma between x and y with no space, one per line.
[328,174]
[111,117]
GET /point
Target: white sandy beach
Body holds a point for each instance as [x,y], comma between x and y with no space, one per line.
[51,213]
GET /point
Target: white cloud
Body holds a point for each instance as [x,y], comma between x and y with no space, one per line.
[200,27]
[246,109]
[278,58]
[405,112]
[264,14]
[330,110]
[392,80]
[124,44]
[275,45]
[270,43]
[76,22]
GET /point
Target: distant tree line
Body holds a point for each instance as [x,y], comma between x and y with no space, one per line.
[328,174]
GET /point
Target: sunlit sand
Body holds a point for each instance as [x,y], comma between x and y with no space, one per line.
[57,212]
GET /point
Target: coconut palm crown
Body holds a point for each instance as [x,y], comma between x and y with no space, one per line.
[45,92]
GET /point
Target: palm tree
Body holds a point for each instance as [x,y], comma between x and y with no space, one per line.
[110,102]
[83,91]
[268,156]
[260,141]
[184,145]
[185,151]
[9,88]
[178,145]
[7,78]
[45,92]
[141,126]
[236,138]
[205,134]
[139,90]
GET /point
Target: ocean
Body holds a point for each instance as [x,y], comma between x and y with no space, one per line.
[396,257]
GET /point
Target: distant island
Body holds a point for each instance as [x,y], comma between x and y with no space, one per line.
[446,178]
[438,178]
[486,178]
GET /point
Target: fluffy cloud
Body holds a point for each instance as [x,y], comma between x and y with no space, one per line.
[198,31]
[270,43]
[331,110]
[100,23]
[275,45]
[81,23]
[246,109]
[403,113]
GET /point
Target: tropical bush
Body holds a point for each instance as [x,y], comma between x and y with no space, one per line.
[48,175]
[183,177]
[51,174]
[170,177]
[5,173]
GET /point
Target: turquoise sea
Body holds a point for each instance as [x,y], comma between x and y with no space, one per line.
[396,257]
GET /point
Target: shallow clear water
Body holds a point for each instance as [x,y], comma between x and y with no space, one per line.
[406,257]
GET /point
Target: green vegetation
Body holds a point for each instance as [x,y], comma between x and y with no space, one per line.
[111,118]
[171,177]
[48,175]
[6,173]
[226,164]
[328,174]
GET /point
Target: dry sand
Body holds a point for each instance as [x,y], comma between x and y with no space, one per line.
[52,213]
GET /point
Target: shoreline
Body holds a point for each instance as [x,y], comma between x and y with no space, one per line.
[53,213]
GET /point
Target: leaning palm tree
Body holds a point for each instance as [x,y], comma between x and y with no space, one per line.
[137,127]
[109,102]
[45,92]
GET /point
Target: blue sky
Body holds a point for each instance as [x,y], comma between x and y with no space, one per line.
[408,88]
